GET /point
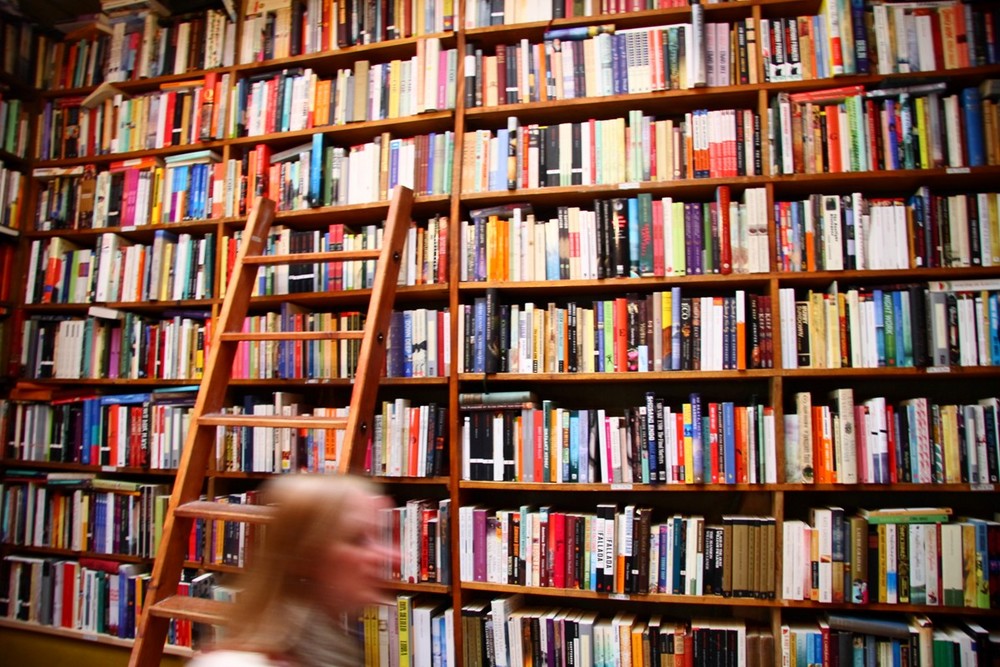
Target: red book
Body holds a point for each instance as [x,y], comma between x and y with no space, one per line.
[722,199]
[713,439]
[621,334]
[538,435]
[71,584]
[168,133]
[442,244]
[890,431]
[659,261]
[557,527]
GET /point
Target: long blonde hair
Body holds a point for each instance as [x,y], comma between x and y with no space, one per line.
[278,604]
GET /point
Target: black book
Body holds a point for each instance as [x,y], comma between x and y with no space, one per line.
[619,227]
[493,352]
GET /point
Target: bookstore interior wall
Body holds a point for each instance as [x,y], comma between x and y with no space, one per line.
[695,348]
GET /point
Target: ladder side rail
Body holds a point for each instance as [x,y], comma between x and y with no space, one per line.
[373,345]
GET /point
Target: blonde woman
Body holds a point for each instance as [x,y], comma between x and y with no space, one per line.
[321,559]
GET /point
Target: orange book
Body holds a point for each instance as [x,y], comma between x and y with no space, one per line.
[414,445]
[832,112]
[740,433]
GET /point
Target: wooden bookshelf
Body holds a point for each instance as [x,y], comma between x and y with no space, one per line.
[774,388]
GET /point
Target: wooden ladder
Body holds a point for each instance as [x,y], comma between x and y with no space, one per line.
[162,603]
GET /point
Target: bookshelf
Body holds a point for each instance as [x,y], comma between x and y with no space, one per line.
[528,272]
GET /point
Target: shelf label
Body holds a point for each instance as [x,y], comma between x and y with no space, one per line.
[628,186]
[108,468]
[981,487]
[89,636]
[957,170]
[939,369]
[621,487]
[618,596]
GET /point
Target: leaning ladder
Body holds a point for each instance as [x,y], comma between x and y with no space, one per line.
[162,603]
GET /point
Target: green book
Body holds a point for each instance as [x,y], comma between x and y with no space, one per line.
[907,515]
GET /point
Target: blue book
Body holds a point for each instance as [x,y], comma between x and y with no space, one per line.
[479,331]
[394,148]
[902,330]
[286,105]
[890,114]
[729,440]
[620,75]
[633,237]
[662,565]
[316,170]
[679,559]
[498,176]
[879,327]
[994,313]
[408,342]
[574,447]
[651,469]
[972,121]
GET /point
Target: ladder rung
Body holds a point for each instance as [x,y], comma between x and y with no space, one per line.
[198,610]
[214,511]
[274,421]
[311,257]
[293,335]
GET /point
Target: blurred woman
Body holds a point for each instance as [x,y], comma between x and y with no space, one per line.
[321,561]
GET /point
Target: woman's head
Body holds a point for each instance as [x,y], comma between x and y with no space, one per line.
[321,552]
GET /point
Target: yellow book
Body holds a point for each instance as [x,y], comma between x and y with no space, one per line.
[969,587]
[394,83]
[666,330]
[404,610]
[156,194]
[949,429]
[688,445]
[920,121]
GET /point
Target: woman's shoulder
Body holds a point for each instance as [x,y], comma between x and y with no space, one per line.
[234,659]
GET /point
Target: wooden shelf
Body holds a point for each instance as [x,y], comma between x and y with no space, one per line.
[656,598]
[86,636]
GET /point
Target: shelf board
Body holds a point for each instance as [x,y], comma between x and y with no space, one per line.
[891,276]
[329,61]
[83,468]
[336,382]
[411,481]
[352,214]
[115,157]
[882,607]
[886,372]
[658,376]
[426,587]
[535,30]
[656,598]
[884,488]
[637,487]
[617,285]
[130,306]
[141,232]
[358,132]
[87,636]
[333,300]
[70,553]
[688,188]
[122,383]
